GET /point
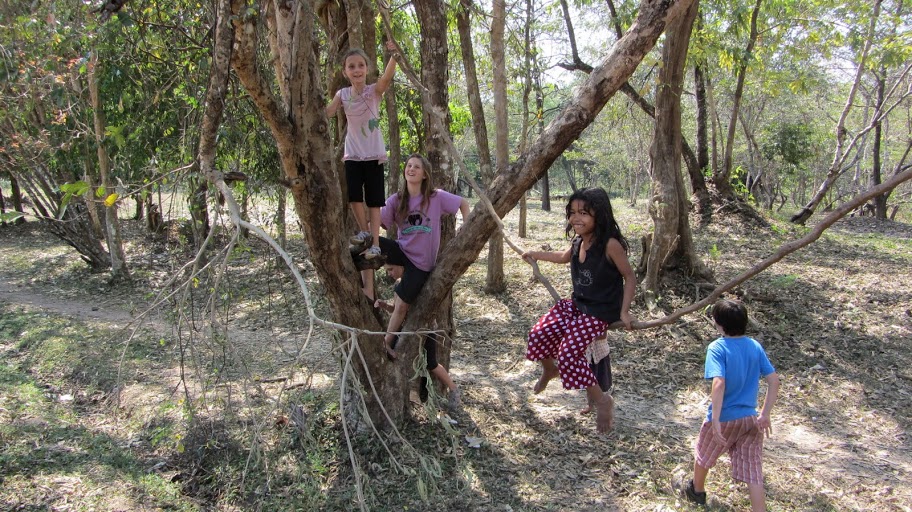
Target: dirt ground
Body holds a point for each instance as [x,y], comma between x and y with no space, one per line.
[835,318]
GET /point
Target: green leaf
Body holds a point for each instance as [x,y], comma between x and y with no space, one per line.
[77,188]
[100,191]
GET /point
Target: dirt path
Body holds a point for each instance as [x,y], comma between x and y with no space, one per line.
[14,291]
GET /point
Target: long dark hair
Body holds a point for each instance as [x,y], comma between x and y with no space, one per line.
[427,188]
[596,202]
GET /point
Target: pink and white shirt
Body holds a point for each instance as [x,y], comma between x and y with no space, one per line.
[363,139]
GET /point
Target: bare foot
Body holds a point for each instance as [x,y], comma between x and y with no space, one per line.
[588,407]
[604,414]
[542,383]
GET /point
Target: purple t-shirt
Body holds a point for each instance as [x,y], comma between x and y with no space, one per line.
[363,139]
[419,232]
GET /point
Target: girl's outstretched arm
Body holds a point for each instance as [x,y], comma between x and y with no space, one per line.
[551,256]
[386,78]
[616,253]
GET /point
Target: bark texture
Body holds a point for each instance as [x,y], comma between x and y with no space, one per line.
[672,239]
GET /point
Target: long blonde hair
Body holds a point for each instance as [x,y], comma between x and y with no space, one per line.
[427,188]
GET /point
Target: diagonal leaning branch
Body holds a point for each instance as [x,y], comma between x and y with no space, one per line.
[507,188]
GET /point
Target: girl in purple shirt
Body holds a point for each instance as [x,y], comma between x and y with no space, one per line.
[416,211]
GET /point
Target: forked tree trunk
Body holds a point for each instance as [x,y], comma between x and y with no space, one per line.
[432,20]
[672,240]
[301,131]
[119,270]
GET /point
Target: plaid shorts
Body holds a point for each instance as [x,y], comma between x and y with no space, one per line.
[744,446]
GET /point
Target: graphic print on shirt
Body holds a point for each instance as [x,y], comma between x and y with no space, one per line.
[417,222]
[585,278]
[357,106]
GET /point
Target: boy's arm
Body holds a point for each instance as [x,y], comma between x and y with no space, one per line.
[386,78]
[772,392]
[716,395]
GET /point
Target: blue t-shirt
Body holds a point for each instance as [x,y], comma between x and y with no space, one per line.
[741,361]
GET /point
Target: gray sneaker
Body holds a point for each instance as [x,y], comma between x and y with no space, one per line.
[360,238]
[372,253]
[357,244]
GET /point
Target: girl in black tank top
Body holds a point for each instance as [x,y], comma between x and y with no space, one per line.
[603,288]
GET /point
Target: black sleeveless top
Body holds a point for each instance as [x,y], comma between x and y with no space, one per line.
[598,287]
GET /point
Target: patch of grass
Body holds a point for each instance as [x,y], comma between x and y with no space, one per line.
[51,453]
[64,351]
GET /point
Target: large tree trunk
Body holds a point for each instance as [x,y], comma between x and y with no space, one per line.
[119,270]
[589,98]
[301,131]
[672,240]
[698,183]
[432,18]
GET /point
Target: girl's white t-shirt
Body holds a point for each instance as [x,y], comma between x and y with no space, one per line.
[363,139]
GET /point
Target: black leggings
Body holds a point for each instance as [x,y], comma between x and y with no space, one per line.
[430,350]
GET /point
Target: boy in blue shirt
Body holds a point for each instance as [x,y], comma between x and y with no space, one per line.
[735,363]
